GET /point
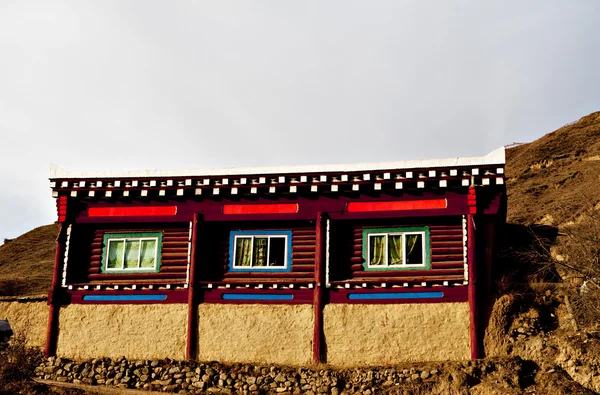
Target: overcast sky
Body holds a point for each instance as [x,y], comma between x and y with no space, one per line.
[108,85]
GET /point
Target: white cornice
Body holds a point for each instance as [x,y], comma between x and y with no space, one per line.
[496,157]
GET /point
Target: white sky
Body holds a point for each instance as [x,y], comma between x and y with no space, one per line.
[107,85]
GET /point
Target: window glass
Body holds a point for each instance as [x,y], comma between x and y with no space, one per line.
[243,251]
[377,249]
[148,253]
[260,250]
[395,252]
[277,251]
[414,249]
[396,248]
[130,252]
[115,254]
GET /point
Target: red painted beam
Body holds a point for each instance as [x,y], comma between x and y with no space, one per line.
[285,208]
[53,296]
[475,340]
[192,327]
[318,335]
[140,211]
[400,205]
[61,206]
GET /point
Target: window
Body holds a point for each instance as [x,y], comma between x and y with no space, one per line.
[396,248]
[260,250]
[131,252]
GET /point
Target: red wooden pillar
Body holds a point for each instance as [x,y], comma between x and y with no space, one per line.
[320,244]
[192,321]
[475,333]
[54,299]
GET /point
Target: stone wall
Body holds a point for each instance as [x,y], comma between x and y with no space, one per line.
[187,377]
[135,331]
[360,334]
[27,318]
[264,333]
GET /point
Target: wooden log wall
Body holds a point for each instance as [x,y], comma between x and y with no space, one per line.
[446,253]
[215,259]
[85,259]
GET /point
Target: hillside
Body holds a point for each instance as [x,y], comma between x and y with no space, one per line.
[550,180]
[27,262]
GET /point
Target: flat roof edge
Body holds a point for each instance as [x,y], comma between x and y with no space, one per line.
[496,157]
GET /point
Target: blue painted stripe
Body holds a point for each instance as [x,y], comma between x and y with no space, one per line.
[122,298]
[397,295]
[257,296]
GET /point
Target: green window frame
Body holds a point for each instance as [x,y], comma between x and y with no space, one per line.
[131,252]
[402,248]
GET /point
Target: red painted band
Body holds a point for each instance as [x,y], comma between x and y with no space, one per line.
[401,205]
[290,208]
[147,211]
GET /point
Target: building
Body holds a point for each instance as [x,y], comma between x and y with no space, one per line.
[350,265]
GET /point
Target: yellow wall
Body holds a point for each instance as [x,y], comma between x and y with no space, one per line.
[29,319]
[361,334]
[355,334]
[135,331]
[280,334]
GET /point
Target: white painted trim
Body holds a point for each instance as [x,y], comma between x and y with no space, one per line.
[327,229]
[496,157]
[66,259]
[465,250]
[189,255]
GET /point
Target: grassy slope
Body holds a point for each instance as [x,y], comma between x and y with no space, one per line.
[552,179]
[27,262]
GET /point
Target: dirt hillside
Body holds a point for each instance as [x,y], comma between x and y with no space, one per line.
[550,180]
[27,263]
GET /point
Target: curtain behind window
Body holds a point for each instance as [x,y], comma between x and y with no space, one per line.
[115,254]
[148,253]
[260,251]
[395,250]
[243,247]
[132,251]
[414,250]
[377,249]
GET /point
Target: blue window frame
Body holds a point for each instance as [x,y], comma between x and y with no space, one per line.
[260,250]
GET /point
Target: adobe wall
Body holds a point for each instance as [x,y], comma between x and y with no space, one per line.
[135,331]
[361,334]
[261,333]
[27,318]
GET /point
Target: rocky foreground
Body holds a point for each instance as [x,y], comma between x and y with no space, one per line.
[511,375]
